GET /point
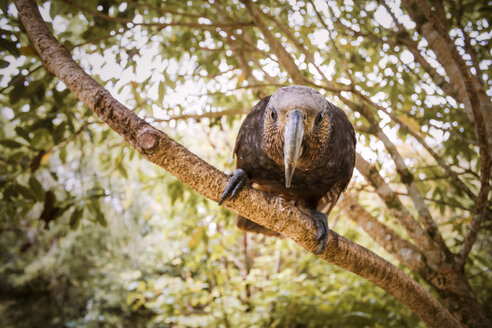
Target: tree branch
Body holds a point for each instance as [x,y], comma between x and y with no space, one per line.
[403,37]
[198,117]
[267,210]
[275,46]
[480,115]
[160,25]
[421,140]
[168,11]
[238,51]
[20,78]
[344,62]
[404,251]
[469,48]
[329,85]
[396,207]
[406,176]
[478,106]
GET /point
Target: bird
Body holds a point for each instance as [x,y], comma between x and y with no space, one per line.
[297,145]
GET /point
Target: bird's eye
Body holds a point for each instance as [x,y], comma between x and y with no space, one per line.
[319,118]
[273,114]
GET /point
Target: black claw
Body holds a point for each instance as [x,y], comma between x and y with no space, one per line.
[322,226]
[237,181]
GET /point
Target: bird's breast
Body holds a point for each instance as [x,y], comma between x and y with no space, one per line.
[305,188]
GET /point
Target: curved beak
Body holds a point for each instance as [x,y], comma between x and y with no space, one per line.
[293,134]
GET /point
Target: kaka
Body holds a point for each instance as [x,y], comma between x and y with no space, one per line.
[299,146]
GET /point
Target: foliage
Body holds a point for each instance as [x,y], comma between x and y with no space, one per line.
[92,235]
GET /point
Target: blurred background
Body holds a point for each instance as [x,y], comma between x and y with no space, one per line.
[91,235]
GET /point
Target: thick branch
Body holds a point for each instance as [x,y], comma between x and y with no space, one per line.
[269,211]
[402,37]
[404,251]
[399,211]
[406,176]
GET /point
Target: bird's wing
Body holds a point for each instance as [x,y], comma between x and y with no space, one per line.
[329,200]
[344,143]
[249,129]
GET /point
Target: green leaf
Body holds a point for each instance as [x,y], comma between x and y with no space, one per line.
[122,170]
[17,92]
[76,217]
[63,155]
[89,134]
[59,8]
[95,207]
[4,63]
[358,314]
[36,188]
[10,143]
[21,132]
[25,192]
[162,89]
[10,192]
[101,218]
[10,46]
[58,133]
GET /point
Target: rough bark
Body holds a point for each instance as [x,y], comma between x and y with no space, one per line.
[269,211]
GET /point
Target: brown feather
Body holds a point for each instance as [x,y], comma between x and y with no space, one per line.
[328,158]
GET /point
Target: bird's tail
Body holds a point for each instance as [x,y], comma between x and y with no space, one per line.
[250,226]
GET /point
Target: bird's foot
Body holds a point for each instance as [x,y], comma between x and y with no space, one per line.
[322,225]
[237,181]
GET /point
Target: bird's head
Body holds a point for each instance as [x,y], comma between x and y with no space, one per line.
[296,128]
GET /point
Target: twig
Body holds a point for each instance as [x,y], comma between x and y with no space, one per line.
[198,117]
[275,46]
[468,47]
[420,140]
[159,25]
[20,77]
[441,202]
